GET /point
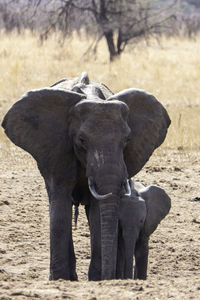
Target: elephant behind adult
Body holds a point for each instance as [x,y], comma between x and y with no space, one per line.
[139,216]
[87,142]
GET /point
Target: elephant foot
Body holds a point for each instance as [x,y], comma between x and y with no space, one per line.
[94,274]
[74,277]
[63,275]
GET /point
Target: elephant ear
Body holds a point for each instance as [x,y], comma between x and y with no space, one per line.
[158,205]
[148,121]
[38,123]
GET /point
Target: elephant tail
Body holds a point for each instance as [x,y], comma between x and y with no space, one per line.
[76,213]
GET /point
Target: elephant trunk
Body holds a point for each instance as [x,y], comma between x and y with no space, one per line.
[109,232]
[109,216]
[107,181]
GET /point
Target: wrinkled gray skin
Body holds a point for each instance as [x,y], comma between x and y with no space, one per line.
[139,217]
[78,131]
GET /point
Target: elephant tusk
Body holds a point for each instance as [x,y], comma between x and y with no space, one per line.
[131,183]
[128,185]
[94,193]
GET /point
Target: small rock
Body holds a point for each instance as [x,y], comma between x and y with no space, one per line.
[6,202]
[197,198]
[195,221]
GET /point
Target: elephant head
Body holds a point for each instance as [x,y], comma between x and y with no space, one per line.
[158,205]
[85,138]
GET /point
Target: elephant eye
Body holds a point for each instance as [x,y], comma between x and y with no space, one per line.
[82,141]
[127,140]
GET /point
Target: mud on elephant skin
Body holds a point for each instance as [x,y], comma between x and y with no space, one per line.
[139,216]
[87,142]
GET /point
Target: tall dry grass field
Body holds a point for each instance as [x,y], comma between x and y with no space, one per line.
[170,71]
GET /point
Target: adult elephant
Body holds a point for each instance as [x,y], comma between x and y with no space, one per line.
[87,142]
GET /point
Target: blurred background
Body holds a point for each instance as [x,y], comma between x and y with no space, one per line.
[150,45]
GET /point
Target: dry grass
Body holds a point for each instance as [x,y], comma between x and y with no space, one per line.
[171,72]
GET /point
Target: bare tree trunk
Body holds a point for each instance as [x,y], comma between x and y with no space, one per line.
[108,33]
[119,42]
[111,46]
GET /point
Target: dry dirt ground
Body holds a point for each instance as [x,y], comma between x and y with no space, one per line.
[174,262]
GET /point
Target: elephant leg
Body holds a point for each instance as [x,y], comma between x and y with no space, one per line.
[125,253]
[87,211]
[141,257]
[129,238]
[120,256]
[73,274]
[62,257]
[93,214]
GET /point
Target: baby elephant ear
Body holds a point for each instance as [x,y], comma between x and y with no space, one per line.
[38,123]
[148,121]
[158,205]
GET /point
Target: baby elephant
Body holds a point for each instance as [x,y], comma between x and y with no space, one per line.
[139,217]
